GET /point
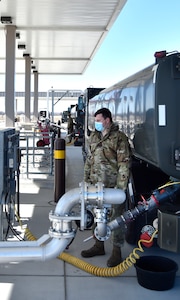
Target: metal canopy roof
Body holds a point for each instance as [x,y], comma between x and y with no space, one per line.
[61,36]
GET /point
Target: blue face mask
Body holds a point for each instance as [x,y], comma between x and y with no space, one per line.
[99,126]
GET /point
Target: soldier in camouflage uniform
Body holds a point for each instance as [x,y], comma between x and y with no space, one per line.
[108,162]
[70,127]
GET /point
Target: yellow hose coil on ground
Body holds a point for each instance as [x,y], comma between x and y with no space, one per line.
[29,235]
[95,270]
[106,272]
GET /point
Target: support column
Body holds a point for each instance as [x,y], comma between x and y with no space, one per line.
[52,117]
[35,95]
[27,87]
[59,168]
[10,75]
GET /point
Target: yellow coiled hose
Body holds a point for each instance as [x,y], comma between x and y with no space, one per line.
[107,272]
[95,270]
[29,235]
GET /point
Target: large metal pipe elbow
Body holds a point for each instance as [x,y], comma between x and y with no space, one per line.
[67,201]
[90,194]
[31,251]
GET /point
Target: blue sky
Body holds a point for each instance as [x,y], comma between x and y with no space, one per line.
[143,27]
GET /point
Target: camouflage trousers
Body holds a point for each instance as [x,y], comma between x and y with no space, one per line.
[118,235]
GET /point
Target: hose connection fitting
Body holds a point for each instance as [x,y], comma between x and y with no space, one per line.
[98,199]
[102,232]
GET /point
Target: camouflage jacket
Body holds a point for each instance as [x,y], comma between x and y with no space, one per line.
[109,158]
[70,125]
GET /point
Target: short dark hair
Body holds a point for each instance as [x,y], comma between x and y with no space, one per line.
[105,113]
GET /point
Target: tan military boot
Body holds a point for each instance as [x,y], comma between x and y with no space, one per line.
[97,249]
[115,258]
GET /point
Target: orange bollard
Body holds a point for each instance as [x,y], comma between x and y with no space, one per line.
[59,168]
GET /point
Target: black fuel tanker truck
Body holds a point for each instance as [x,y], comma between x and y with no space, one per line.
[147,108]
